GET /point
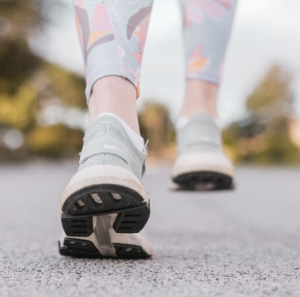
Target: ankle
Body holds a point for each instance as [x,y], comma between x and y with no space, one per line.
[200,97]
[116,95]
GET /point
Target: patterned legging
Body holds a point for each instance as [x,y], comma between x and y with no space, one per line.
[112,35]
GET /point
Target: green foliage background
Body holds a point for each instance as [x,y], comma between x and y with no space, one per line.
[29,84]
[263,137]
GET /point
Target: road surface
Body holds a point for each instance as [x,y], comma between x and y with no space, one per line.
[239,243]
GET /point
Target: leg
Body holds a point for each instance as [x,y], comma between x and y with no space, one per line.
[200,97]
[105,204]
[207,27]
[201,163]
[115,95]
[112,35]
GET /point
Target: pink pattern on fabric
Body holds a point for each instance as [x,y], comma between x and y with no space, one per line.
[196,60]
[143,28]
[138,57]
[193,15]
[226,3]
[79,3]
[126,70]
[121,52]
[101,20]
[196,8]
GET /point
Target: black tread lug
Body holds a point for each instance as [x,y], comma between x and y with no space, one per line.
[204,181]
[77,226]
[79,249]
[132,221]
[128,251]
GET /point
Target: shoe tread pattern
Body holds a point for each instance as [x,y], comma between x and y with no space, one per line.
[78,248]
[205,181]
[133,212]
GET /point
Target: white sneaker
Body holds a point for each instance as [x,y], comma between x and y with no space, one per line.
[106,196]
[201,163]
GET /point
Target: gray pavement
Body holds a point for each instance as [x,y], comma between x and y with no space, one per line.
[240,243]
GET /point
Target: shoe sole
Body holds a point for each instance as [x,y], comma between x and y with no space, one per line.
[102,190]
[204,181]
[79,248]
[104,242]
[203,172]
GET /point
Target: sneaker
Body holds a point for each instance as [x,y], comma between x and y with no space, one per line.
[201,163]
[106,198]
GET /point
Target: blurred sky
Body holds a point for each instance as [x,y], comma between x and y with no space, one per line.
[265,32]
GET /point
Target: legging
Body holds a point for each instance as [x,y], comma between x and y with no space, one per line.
[112,35]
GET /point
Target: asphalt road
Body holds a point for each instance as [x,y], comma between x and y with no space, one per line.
[240,243]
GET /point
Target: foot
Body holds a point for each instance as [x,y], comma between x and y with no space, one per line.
[106,195]
[201,163]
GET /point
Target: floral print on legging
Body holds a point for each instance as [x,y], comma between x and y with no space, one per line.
[112,35]
[207,26]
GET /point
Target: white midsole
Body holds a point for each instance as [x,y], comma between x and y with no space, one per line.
[104,236]
[104,174]
[195,162]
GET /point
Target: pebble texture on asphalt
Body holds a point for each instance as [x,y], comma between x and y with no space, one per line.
[240,243]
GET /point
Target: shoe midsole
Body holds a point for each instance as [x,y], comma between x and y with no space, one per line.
[197,162]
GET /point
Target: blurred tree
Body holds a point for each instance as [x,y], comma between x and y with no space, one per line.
[20,17]
[19,110]
[54,141]
[271,102]
[28,84]
[17,20]
[67,87]
[263,137]
[156,126]
[17,63]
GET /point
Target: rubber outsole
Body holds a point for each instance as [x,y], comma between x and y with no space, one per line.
[204,181]
[80,208]
[79,248]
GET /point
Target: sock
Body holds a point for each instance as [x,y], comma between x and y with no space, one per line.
[183,121]
[137,139]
